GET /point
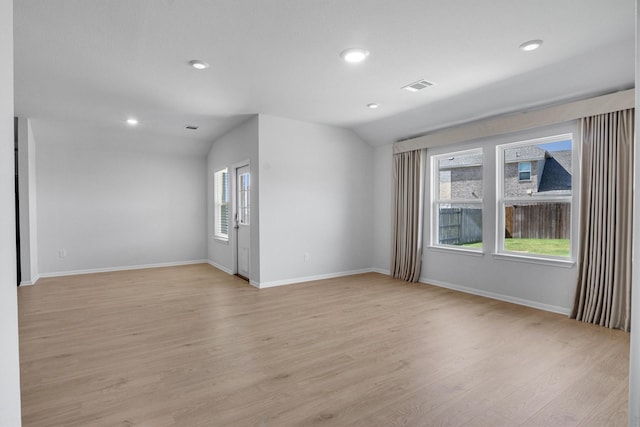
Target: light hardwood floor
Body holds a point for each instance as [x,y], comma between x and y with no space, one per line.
[193,346]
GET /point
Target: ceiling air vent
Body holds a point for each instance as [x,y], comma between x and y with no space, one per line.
[191,127]
[419,85]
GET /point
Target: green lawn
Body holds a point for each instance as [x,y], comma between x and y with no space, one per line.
[555,247]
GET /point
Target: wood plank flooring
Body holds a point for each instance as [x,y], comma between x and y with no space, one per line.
[193,346]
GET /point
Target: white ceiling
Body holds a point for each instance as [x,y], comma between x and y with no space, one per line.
[98,61]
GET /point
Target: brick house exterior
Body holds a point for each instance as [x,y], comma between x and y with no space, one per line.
[461,177]
[550,173]
[513,158]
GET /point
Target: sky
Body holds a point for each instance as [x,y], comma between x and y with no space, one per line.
[556,146]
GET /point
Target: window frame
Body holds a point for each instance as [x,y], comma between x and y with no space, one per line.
[502,200]
[520,179]
[436,202]
[218,203]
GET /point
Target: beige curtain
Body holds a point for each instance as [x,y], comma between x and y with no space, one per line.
[406,256]
[603,295]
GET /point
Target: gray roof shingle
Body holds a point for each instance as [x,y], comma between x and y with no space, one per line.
[556,175]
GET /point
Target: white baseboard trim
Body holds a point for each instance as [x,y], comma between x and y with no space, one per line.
[381,271]
[123,268]
[500,297]
[29,282]
[263,285]
[219,267]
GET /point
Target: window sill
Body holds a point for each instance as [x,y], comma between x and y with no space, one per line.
[564,263]
[221,240]
[456,250]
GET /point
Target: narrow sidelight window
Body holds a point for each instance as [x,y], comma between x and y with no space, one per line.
[221,204]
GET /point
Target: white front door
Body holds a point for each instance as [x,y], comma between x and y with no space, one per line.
[243,221]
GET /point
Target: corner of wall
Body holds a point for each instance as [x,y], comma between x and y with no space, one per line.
[28,204]
[382,204]
[294,159]
[10,408]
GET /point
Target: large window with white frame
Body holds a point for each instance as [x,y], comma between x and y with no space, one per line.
[221,204]
[457,199]
[535,190]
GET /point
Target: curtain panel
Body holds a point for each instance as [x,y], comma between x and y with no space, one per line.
[406,256]
[603,294]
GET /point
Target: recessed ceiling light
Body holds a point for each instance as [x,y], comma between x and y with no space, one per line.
[354,55]
[531,45]
[131,121]
[373,105]
[198,64]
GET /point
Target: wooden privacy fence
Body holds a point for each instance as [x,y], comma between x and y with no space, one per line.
[538,221]
[459,226]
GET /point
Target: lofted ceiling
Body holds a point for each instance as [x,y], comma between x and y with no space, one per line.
[97,62]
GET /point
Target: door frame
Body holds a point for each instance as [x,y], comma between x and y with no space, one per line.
[234,210]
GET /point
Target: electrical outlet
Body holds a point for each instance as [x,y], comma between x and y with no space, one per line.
[306,256]
[62,253]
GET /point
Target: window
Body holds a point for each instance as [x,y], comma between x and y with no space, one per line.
[524,171]
[221,204]
[535,195]
[244,189]
[457,199]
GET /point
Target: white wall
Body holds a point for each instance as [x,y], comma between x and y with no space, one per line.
[382,203]
[112,199]
[9,356]
[28,206]
[236,146]
[316,198]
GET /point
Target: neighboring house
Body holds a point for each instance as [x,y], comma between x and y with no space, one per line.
[532,170]
[529,171]
[461,177]
[523,170]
